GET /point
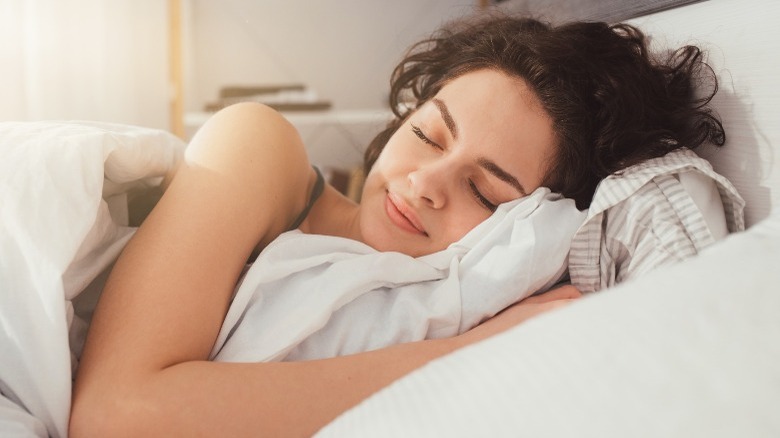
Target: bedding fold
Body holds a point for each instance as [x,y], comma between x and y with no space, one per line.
[310,296]
[57,235]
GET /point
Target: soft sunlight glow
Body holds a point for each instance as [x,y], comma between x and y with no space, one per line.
[84,59]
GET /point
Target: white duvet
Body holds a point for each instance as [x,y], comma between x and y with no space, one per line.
[690,350]
[58,234]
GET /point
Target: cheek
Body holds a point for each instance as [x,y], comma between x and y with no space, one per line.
[399,150]
[462,220]
[382,168]
[372,194]
[387,157]
[388,166]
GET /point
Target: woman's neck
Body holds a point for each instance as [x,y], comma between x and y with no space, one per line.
[333,214]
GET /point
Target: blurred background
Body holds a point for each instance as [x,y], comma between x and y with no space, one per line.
[112,60]
[169,64]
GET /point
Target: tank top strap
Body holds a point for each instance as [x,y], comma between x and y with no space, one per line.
[319,186]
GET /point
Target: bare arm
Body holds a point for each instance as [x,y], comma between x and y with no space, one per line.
[144,370]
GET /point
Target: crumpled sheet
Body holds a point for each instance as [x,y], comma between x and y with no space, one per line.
[309,296]
[57,235]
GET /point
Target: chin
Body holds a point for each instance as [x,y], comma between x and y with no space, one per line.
[384,244]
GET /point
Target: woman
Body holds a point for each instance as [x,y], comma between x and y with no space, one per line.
[486,113]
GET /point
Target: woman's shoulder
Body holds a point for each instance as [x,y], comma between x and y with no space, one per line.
[256,152]
[246,131]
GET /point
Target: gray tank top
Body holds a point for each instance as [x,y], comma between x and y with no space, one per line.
[319,185]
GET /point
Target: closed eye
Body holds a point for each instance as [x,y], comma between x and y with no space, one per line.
[474,190]
[421,135]
[481,198]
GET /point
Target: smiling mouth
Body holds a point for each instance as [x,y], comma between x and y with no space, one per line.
[400,215]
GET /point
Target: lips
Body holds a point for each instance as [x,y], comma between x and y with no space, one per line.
[402,215]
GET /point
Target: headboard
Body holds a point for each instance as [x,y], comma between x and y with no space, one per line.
[589,10]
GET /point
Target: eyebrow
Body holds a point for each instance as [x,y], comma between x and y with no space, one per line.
[502,174]
[447,117]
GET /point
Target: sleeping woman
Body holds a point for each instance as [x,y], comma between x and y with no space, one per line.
[486,113]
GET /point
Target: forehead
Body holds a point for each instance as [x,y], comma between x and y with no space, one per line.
[500,116]
[494,87]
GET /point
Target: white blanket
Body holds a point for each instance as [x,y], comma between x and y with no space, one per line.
[688,350]
[56,236]
[309,296]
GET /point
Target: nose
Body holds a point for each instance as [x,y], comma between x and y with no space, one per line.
[429,185]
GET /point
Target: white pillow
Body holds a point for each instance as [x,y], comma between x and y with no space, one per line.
[688,350]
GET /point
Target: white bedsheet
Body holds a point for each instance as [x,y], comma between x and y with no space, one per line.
[56,236]
[309,296]
[687,350]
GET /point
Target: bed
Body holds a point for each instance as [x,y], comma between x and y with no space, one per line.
[688,350]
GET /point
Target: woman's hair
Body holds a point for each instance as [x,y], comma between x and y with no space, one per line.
[612,102]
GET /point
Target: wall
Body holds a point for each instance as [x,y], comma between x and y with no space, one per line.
[741,45]
[345,49]
[85,59]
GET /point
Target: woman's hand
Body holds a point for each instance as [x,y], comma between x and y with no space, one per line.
[520,312]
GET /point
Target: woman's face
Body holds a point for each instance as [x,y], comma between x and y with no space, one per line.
[484,139]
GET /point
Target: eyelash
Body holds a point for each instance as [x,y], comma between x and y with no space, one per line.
[480,198]
[483,200]
[421,135]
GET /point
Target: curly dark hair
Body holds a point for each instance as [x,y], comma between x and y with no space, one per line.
[612,102]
